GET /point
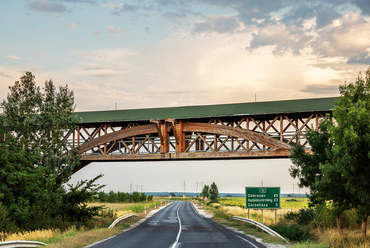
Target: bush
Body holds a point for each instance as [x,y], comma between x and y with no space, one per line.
[305,216]
[293,233]
[223,213]
[324,217]
[302,217]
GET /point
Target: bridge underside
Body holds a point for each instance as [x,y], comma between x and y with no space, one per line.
[230,137]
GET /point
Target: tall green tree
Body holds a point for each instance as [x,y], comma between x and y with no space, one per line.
[213,192]
[317,171]
[351,135]
[205,191]
[34,160]
[38,119]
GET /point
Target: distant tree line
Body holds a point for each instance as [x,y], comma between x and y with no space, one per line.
[337,171]
[123,197]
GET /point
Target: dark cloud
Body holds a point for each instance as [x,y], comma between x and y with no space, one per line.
[218,24]
[362,58]
[45,6]
[321,89]
[147,30]
[298,14]
[249,10]
[364,6]
[78,1]
[284,39]
[325,16]
[130,8]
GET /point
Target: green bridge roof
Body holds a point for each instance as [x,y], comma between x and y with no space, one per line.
[187,112]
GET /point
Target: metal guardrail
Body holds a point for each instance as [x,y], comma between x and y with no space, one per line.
[21,243]
[122,218]
[259,225]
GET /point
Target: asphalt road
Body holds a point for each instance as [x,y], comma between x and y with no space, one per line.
[178,225]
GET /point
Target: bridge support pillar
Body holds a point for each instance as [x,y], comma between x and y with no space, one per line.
[177,129]
[163,129]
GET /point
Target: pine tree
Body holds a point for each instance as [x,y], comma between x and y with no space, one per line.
[213,192]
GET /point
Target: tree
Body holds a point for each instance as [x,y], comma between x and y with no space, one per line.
[102,196]
[38,119]
[213,192]
[135,196]
[205,191]
[352,141]
[306,166]
[143,196]
[339,167]
[35,162]
[317,171]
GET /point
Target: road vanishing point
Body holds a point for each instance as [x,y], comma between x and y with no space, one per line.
[179,225]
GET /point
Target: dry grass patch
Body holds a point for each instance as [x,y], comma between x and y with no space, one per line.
[268,215]
[33,235]
[331,238]
[82,239]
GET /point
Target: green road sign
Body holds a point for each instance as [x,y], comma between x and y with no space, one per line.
[262,198]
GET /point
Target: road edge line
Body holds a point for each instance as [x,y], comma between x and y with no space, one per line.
[196,210]
[247,241]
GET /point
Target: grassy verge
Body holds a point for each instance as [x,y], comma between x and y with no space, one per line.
[310,234]
[74,238]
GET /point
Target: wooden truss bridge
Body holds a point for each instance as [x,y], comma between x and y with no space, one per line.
[242,130]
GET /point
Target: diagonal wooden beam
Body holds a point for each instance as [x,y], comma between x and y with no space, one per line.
[235,132]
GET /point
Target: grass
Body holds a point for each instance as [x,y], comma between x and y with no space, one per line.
[74,238]
[319,238]
[285,203]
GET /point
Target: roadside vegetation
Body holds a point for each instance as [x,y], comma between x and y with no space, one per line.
[337,171]
[36,163]
[94,230]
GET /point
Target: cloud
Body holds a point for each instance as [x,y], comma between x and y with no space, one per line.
[102,71]
[364,6]
[218,24]
[45,6]
[147,30]
[321,89]
[124,8]
[79,1]
[282,38]
[348,37]
[362,58]
[72,25]
[14,57]
[114,30]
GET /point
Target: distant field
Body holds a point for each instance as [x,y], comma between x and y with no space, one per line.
[286,203]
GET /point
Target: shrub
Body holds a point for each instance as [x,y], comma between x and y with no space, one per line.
[223,213]
[293,233]
[305,216]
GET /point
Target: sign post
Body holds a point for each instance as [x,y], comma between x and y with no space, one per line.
[262,198]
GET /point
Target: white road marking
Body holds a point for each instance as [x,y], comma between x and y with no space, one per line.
[196,210]
[248,242]
[178,235]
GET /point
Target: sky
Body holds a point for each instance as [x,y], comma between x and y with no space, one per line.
[163,53]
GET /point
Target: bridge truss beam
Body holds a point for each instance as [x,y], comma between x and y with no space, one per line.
[241,136]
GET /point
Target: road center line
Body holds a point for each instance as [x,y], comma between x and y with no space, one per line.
[178,235]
